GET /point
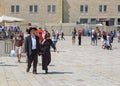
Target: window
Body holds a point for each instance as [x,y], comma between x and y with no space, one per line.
[119,21]
[118,8]
[111,22]
[105,8]
[35,8]
[83,21]
[31,8]
[17,8]
[53,8]
[81,8]
[12,8]
[86,8]
[100,8]
[93,19]
[49,8]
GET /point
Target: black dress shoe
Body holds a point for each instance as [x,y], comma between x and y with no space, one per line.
[28,69]
[18,61]
[34,72]
[46,71]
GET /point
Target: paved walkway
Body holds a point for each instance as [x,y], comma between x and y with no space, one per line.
[73,65]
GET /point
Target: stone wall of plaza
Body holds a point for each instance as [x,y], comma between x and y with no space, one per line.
[1,8]
[72,10]
[40,17]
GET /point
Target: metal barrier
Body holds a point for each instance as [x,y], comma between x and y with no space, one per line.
[8,45]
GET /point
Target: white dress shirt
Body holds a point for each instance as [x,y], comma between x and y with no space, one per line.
[33,42]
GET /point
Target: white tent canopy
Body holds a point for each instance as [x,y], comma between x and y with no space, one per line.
[9,19]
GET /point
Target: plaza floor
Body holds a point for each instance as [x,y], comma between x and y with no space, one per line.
[72,65]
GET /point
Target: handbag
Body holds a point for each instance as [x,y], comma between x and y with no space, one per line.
[12,53]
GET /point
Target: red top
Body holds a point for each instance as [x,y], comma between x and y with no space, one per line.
[40,37]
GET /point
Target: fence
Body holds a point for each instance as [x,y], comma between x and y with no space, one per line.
[8,46]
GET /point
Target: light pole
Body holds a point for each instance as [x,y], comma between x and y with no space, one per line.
[61,14]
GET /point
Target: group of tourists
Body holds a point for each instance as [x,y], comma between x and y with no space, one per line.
[95,35]
[106,38]
[57,35]
[36,43]
[74,34]
[9,31]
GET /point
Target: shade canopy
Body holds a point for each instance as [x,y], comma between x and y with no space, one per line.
[9,19]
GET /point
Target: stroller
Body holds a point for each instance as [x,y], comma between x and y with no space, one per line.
[107,45]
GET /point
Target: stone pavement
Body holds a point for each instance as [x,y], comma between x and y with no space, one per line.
[73,65]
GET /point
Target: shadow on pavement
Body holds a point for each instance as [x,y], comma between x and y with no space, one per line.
[39,64]
[57,73]
[59,51]
[60,72]
[23,62]
[8,65]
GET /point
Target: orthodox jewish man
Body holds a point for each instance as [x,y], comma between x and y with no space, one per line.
[32,49]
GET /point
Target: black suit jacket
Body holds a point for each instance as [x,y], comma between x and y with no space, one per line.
[28,45]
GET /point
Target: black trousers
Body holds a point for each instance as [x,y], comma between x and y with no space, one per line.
[46,59]
[33,58]
[79,41]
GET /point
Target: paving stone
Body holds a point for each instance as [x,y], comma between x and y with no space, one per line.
[72,65]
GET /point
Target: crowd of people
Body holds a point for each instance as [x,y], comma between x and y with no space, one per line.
[106,38]
[38,42]
[9,31]
[96,34]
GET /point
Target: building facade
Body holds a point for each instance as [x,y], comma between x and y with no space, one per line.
[86,11]
[63,11]
[1,8]
[35,11]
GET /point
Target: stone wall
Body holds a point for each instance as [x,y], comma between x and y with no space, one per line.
[41,16]
[72,12]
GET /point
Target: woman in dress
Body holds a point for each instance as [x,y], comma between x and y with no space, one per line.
[46,54]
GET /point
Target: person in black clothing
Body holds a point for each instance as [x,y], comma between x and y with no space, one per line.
[79,37]
[27,30]
[46,55]
[104,37]
[32,48]
[62,35]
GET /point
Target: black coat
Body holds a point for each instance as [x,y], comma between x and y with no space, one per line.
[28,45]
[46,56]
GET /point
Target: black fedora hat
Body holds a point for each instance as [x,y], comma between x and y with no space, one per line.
[32,28]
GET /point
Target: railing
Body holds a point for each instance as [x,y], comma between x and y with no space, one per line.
[8,45]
